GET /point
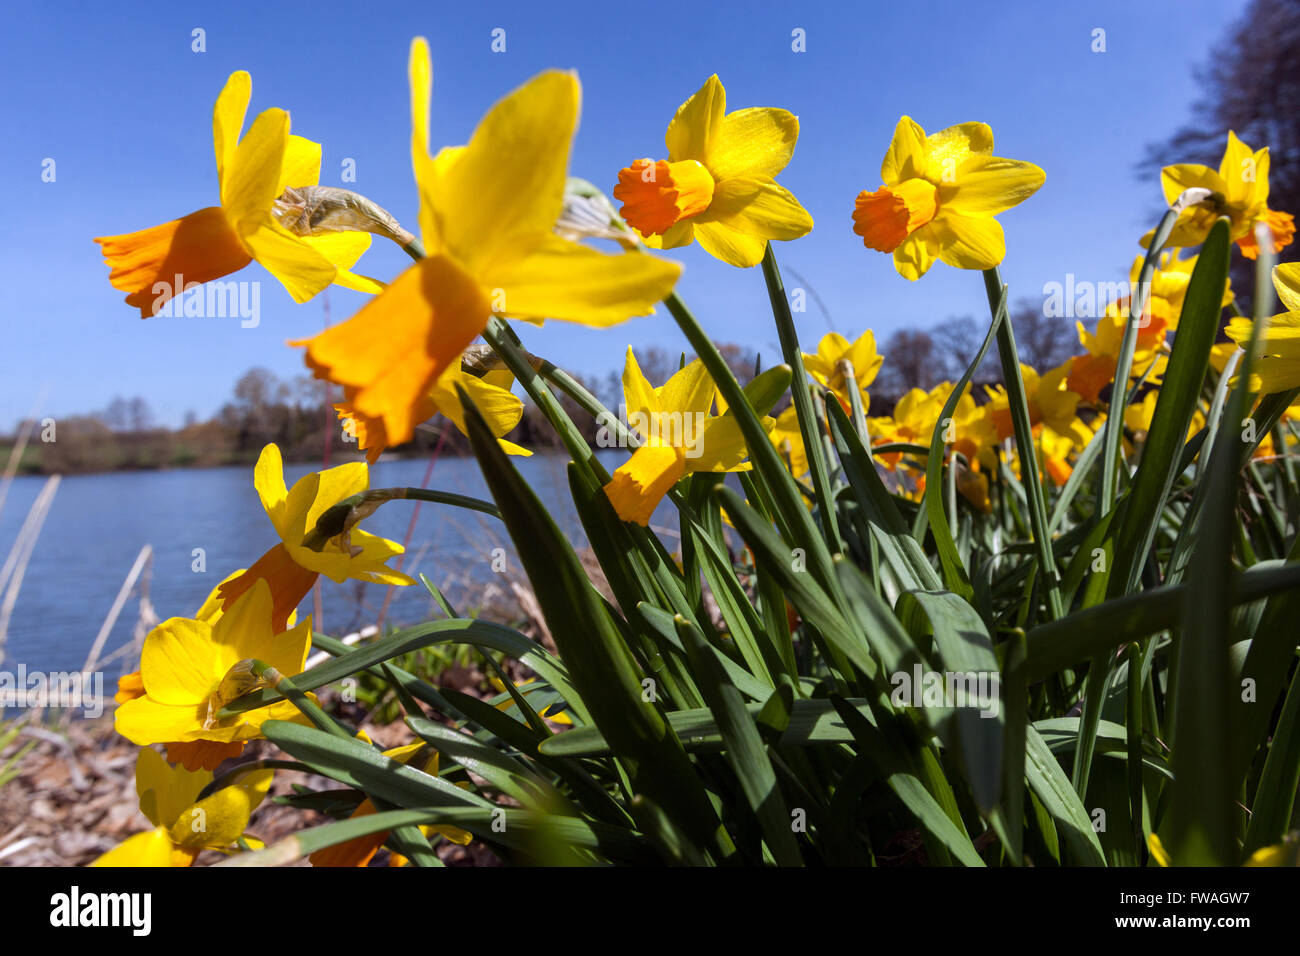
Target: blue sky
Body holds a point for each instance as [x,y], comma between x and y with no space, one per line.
[117,98]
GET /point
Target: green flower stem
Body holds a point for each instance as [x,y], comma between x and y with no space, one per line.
[808,423]
[339,518]
[309,708]
[1114,425]
[797,525]
[1019,407]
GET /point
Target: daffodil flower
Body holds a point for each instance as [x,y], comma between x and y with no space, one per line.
[939,197]
[194,753]
[1088,374]
[487,213]
[184,825]
[1239,190]
[1050,401]
[290,567]
[828,365]
[679,434]
[359,851]
[155,264]
[191,669]
[491,395]
[1277,369]
[718,183]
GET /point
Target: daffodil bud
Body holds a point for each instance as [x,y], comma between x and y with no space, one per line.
[314,210]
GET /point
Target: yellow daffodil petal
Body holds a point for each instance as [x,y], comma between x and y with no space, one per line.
[152,848]
[563,280]
[500,407]
[219,820]
[754,143]
[689,391]
[253,176]
[640,483]
[740,249]
[508,182]
[697,122]
[949,149]
[970,242]
[313,493]
[915,254]
[1177,179]
[681,234]
[905,158]
[178,664]
[301,269]
[722,445]
[268,480]
[1286,280]
[300,165]
[165,791]
[343,249]
[989,185]
[228,120]
[639,396]
[759,207]
[144,721]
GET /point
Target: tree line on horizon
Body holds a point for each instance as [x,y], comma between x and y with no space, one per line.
[296,415]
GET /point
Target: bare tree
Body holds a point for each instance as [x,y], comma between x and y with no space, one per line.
[1251,85]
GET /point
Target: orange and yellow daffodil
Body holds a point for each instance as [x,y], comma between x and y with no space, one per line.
[155,264]
[192,668]
[1277,368]
[679,437]
[290,567]
[1239,190]
[184,825]
[718,184]
[939,198]
[487,214]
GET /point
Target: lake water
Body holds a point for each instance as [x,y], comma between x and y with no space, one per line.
[98,524]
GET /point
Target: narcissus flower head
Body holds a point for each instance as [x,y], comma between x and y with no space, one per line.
[290,566]
[835,354]
[488,211]
[939,197]
[680,436]
[184,825]
[1238,189]
[1277,369]
[155,264]
[718,184]
[191,669]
